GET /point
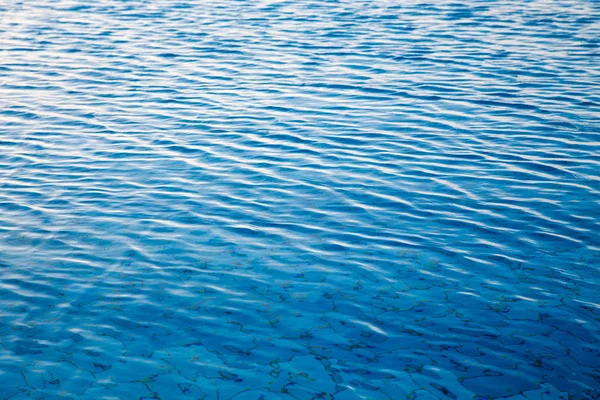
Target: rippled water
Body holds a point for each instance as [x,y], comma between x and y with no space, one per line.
[299,199]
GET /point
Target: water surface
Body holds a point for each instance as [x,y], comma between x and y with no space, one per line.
[299,199]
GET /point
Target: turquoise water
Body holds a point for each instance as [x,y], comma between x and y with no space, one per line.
[299,199]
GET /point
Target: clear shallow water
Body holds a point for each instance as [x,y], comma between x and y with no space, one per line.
[298,200]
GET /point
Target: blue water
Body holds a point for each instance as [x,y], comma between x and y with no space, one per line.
[300,199]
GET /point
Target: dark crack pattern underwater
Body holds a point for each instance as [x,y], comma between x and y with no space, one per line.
[307,199]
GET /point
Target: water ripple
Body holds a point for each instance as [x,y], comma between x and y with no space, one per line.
[299,199]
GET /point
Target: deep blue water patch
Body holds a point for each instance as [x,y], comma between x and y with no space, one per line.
[299,199]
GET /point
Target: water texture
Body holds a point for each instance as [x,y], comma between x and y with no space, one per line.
[299,199]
